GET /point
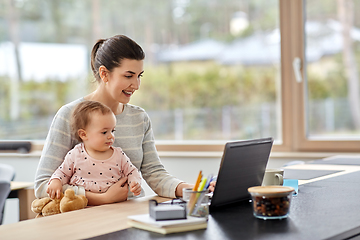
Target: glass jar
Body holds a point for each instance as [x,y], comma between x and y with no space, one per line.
[271,202]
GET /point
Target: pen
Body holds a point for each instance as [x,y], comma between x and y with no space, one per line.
[209,178]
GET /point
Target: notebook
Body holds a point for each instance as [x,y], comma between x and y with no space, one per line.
[242,166]
[144,221]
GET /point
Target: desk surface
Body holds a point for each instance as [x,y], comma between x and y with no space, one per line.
[325,208]
[316,213]
[20,185]
[322,210]
[81,224]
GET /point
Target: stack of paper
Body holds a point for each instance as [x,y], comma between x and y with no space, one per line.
[144,221]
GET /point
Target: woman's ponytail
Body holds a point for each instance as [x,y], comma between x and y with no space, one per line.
[94,60]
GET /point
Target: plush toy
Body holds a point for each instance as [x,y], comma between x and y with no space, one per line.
[66,203]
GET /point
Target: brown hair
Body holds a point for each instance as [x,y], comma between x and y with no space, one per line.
[109,53]
[80,116]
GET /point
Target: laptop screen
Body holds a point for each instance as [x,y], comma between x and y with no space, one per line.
[242,166]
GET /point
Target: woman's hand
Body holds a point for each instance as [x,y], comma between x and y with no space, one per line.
[116,193]
[54,189]
[180,187]
[212,186]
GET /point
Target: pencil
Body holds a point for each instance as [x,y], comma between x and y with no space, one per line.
[191,203]
[198,180]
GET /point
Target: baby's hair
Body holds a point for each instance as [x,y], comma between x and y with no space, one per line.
[80,116]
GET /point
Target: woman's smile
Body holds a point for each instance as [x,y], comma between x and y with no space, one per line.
[128,93]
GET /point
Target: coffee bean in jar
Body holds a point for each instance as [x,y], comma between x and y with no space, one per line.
[271,202]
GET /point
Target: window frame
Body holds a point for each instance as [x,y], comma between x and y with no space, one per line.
[296,135]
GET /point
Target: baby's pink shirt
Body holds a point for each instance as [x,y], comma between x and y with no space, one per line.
[95,175]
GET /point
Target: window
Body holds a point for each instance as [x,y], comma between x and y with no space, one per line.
[216,76]
[209,78]
[332,47]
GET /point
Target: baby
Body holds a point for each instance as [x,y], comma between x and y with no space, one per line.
[94,164]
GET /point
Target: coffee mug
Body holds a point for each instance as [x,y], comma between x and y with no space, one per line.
[273,177]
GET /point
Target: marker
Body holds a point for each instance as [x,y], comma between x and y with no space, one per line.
[202,184]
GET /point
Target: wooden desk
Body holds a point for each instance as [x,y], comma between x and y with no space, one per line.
[20,185]
[81,224]
[25,193]
[325,208]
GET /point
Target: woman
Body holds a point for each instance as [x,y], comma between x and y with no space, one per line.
[117,64]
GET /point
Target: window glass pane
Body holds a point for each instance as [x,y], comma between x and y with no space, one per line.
[332,52]
[212,68]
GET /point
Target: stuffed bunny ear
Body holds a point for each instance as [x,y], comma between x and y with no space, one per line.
[38,204]
[71,202]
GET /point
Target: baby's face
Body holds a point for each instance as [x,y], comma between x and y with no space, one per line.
[100,131]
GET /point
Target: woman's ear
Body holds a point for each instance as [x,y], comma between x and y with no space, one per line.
[82,134]
[103,73]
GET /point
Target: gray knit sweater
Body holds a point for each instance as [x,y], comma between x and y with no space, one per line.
[133,134]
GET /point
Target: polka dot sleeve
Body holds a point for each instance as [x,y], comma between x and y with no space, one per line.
[65,171]
[129,169]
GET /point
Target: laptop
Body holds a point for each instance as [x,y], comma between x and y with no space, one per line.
[242,166]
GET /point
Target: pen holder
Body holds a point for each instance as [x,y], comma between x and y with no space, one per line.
[197,202]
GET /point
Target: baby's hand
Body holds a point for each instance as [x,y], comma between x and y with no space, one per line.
[135,188]
[54,189]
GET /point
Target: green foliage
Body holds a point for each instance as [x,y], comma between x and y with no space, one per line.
[264,14]
[4,97]
[204,84]
[331,84]
[43,98]
[40,99]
